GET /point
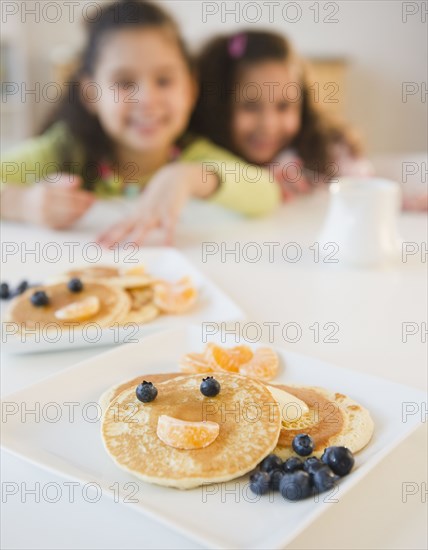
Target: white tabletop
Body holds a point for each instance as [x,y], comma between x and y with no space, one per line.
[367,306]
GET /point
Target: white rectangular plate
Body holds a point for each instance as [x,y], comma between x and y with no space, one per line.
[229,516]
[213,305]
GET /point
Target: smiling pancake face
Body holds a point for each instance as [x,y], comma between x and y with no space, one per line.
[247,415]
[333,419]
[114,302]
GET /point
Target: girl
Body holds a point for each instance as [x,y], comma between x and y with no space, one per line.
[123,129]
[263,112]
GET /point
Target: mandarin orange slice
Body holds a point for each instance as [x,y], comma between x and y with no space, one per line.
[194,363]
[183,434]
[80,310]
[264,365]
[175,297]
[227,359]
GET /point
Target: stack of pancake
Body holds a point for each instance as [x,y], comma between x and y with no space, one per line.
[251,418]
[124,296]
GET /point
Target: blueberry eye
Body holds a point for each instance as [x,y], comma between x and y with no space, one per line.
[39,299]
[210,387]
[75,285]
[146,392]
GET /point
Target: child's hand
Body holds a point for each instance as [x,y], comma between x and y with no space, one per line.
[291,178]
[57,205]
[160,205]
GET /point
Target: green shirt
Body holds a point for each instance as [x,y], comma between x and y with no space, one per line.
[245,188]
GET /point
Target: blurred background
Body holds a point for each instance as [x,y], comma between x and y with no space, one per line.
[369,60]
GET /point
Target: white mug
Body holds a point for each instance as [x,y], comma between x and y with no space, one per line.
[362,220]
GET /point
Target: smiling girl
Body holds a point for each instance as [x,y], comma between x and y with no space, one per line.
[262,110]
[123,131]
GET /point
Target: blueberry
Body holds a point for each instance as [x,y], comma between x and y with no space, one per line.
[340,460]
[259,483]
[22,287]
[39,298]
[270,463]
[75,285]
[296,485]
[210,387]
[4,291]
[275,479]
[146,392]
[324,479]
[303,444]
[292,464]
[312,464]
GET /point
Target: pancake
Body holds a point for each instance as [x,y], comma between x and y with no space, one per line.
[142,309]
[114,391]
[93,272]
[114,303]
[140,297]
[131,281]
[249,422]
[106,275]
[140,316]
[333,419]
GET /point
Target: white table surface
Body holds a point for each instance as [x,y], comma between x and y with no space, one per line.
[369,307]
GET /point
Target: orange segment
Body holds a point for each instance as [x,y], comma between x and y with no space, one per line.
[227,359]
[194,363]
[264,365]
[78,311]
[175,297]
[183,434]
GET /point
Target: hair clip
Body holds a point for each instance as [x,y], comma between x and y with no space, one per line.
[237,45]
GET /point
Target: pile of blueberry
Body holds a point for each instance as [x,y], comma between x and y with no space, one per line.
[6,292]
[295,478]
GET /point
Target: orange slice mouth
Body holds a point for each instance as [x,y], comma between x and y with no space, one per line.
[80,310]
[183,434]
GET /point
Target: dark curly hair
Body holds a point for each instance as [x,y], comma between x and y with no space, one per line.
[84,126]
[218,71]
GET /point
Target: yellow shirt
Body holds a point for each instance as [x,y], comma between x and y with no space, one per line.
[245,188]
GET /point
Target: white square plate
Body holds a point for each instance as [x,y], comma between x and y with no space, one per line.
[221,516]
[213,305]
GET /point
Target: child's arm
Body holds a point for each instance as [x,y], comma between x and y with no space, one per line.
[204,171]
[248,189]
[32,188]
[160,204]
[57,205]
